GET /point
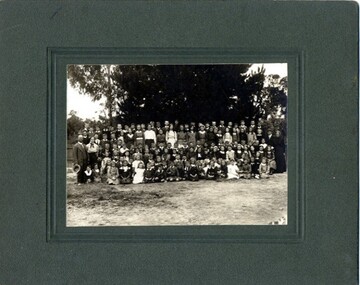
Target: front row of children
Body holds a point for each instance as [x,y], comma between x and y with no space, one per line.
[192,170]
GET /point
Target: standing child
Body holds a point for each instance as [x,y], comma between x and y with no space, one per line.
[139,136]
[171,136]
[227,138]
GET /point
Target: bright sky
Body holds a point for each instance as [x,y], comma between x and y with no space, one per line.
[86,108]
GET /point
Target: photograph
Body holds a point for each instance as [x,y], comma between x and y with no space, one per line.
[177,144]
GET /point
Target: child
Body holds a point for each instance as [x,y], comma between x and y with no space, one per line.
[263,169]
[171,136]
[105,162]
[243,136]
[251,136]
[233,170]
[230,154]
[149,173]
[246,169]
[201,170]
[180,167]
[182,137]
[139,136]
[218,136]
[89,175]
[223,170]
[139,174]
[238,152]
[242,126]
[159,175]
[172,173]
[113,174]
[199,153]
[221,153]
[259,134]
[212,172]
[202,135]
[125,173]
[160,138]
[129,138]
[235,136]
[227,138]
[254,168]
[136,162]
[191,136]
[271,163]
[97,175]
[193,172]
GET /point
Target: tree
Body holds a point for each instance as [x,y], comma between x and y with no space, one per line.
[96,81]
[140,93]
[74,124]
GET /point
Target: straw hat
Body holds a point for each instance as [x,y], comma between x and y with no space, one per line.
[76,168]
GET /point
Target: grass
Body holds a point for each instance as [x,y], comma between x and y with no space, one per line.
[240,202]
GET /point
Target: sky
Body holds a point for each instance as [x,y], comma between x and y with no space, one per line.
[86,108]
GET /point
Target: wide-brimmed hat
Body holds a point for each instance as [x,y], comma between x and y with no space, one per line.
[76,168]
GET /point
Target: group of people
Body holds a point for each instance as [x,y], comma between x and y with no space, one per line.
[155,152]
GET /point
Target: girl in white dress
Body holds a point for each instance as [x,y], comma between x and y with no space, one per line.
[139,174]
[233,170]
[171,136]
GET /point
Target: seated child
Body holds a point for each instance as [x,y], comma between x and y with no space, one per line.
[223,169]
[180,167]
[125,173]
[149,173]
[193,171]
[113,174]
[159,175]
[271,163]
[172,173]
[263,169]
[233,170]
[230,154]
[254,168]
[246,169]
[212,172]
[202,169]
[89,175]
[139,174]
[105,162]
[97,175]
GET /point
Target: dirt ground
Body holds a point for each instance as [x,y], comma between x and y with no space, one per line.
[241,202]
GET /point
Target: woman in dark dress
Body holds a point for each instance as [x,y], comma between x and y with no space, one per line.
[278,143]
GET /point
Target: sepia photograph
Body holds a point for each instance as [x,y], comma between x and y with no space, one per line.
[177,145]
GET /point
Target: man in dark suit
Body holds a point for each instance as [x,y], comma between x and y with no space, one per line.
[81,158]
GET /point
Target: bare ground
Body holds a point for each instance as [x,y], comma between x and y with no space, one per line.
[241,202]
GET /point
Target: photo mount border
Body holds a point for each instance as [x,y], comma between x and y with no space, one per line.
[58,58]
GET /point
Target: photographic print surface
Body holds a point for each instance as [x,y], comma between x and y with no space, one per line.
[177,144]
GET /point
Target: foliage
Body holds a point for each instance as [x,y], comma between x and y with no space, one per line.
[74,125]
[142,93]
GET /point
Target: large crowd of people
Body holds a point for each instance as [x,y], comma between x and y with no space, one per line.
[156,152]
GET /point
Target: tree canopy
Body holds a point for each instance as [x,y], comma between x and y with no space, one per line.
[198,93]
